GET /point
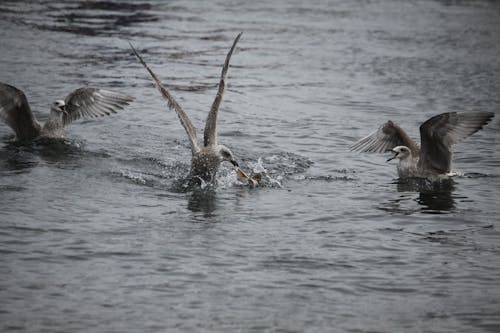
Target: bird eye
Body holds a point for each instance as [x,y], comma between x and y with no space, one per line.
[226,154]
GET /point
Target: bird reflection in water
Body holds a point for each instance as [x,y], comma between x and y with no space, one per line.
[14,158]
[203,200]
[416,195]
[435,197]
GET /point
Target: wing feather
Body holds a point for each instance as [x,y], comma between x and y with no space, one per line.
[16,113]
[384,139]
[210,132]
[440,132]
[172,104]
[92,103]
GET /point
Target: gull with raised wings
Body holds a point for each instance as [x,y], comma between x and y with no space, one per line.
[15,110]
[205,159]
[432,159]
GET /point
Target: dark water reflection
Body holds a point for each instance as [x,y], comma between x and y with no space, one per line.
[88,18]
[48,150]
[203,200]
[435,197]
[437,201]
[14,159]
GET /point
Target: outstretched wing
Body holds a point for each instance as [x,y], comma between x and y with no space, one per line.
[15,112]
[440,132]
[384,139]
[210,133]
[92,102]
[172,104]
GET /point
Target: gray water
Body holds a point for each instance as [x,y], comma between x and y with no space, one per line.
[99,234]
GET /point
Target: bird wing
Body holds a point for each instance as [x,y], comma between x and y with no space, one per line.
[440,132]
[92,102]
[210,133]
[172,104]
[16,112]
[384,139]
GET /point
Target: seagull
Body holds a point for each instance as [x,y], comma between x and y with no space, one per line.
[205,159]
[15,110]
[432,159]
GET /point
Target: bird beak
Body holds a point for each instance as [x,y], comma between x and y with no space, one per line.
[233,162]
[63,109]
[393,157]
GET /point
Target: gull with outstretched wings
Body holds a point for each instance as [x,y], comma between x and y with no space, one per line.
[432,159]
[207,158]
[15,110]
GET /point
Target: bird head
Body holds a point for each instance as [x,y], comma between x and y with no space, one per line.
[226,155]
[400,152]
[59,106]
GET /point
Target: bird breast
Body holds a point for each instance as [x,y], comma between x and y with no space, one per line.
[205,165]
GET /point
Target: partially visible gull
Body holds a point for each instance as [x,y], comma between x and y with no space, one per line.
[432,159]
[81,103]
[206,159]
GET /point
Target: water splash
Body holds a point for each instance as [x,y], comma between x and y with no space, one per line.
[277,168]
